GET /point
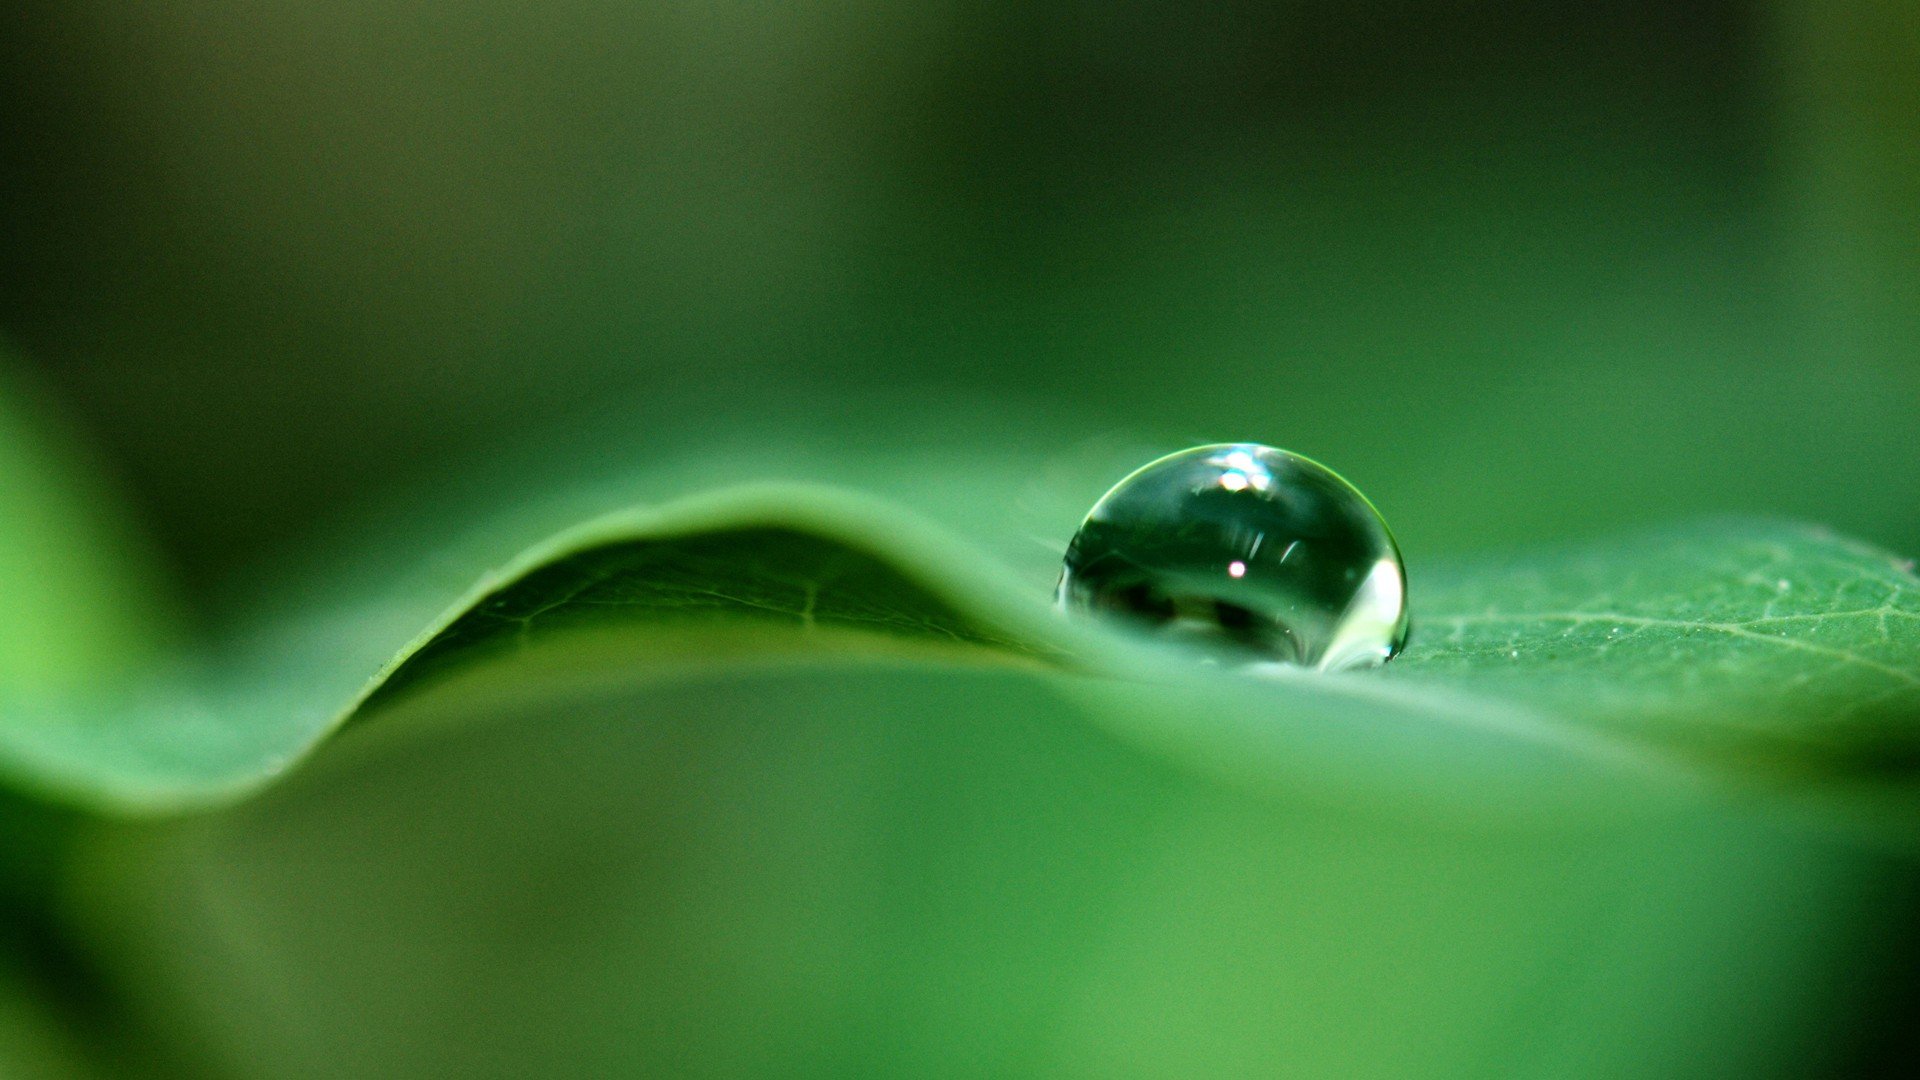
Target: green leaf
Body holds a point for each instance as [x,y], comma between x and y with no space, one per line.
[1676,654]
[1736,636]
[216,726]
[716,579]
[786,770]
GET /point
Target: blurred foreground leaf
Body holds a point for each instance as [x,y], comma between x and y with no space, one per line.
[904,869]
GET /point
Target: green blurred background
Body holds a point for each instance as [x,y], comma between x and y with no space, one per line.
[1519,269]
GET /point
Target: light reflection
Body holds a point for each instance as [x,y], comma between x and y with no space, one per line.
[1374,620]
[1240,470]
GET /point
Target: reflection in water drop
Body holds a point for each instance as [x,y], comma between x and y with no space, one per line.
[1256,554]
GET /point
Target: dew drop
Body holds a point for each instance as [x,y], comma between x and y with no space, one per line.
[1252,553]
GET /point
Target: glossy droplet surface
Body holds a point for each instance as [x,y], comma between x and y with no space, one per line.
[1255,554]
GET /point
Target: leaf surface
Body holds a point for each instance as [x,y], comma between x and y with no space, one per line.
[1712,647]
[1721,633]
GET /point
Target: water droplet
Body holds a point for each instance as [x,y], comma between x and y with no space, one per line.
[1256,554]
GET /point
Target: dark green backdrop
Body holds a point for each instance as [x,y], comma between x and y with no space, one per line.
[1519,269]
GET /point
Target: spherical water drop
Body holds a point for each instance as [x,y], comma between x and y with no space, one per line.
[1256,554]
